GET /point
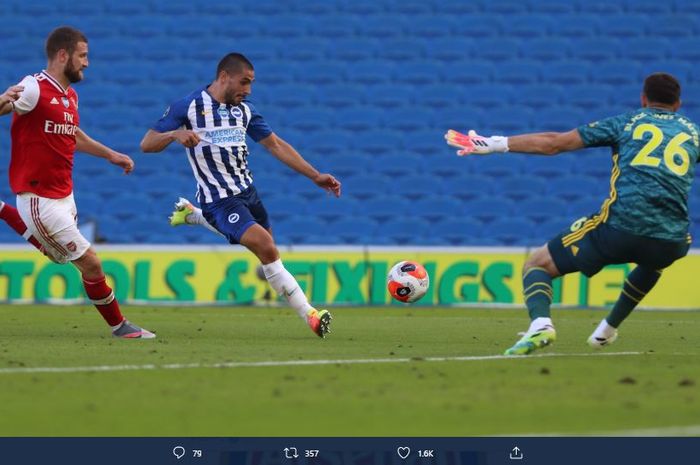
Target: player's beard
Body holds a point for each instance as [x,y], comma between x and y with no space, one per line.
[230,98]
[72,73]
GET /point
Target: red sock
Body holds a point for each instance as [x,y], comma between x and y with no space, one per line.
[104,301]
[10,215]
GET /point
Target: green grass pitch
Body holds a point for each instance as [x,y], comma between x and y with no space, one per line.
[417,372]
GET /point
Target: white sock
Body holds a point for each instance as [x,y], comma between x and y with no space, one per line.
[539,323]
[196,217]
[284,283]
[604,330]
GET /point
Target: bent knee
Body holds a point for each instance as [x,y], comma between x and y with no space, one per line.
[541,258]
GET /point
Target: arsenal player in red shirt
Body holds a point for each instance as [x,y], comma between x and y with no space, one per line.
[45,135]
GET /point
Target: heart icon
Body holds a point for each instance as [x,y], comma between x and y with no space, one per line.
[403,452]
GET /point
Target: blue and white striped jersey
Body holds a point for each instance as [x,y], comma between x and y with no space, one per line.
[220,161]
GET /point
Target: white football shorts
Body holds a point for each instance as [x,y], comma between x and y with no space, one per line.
[53,222]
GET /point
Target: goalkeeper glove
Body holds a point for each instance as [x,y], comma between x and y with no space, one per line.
[474,143]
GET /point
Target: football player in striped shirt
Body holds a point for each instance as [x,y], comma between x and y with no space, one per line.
[643,221]
[212,124]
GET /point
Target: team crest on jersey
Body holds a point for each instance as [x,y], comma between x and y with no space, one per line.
[233,218]
[71,246]
[167,110]
[223,112]
[236,112]
[65,102]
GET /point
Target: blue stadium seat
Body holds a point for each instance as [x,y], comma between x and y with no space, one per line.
[616,72]
[553,7]
[284,25]
[392,95]
[356,50]
[367,187]
[358,119]
[511,231]
[672,26]
[549,49]
[625,26]
[512,120]
[466,186]
[382,27]
[336,27]
[519,187]
[407,229]
[276,72]
[601,7]
[370,72]
[683,49]
[384,208]
[467,73]
[648,48]
[417,73]
[442,96]
[496,49]
[439,26]
[437,207]
[450,50]
[459,230]
[563,119]
[540,96]
[576,26]
[568,73]
[293,95]
[377,142]
[648,7]
[488,96]
[584,206]
[401,49]
[366,8]
[573,188]
[488,210]
[459,118]
[529,26]
[540,208]
[518,73]
[597,49]
[352,230]
[413,8]
[400,120]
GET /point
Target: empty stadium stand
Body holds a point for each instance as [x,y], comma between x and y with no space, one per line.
[365,90]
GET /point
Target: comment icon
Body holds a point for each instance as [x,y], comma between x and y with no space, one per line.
[178,452]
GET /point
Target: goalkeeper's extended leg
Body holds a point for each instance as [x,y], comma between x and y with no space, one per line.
[186,213]
[537,288]
[639,282]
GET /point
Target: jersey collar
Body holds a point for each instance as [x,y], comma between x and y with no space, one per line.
[53,81]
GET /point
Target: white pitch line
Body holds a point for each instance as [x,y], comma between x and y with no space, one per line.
[282,363]
[690,430]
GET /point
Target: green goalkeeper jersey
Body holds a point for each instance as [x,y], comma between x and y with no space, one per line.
[654,157]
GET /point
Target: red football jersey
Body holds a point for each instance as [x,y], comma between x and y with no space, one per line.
[43,138]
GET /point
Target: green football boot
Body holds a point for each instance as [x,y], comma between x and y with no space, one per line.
[533,340]
[183,209]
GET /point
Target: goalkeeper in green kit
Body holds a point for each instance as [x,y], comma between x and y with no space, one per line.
[644,220]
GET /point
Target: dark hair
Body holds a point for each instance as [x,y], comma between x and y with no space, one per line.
[233,63]
[662,88]
[63,38]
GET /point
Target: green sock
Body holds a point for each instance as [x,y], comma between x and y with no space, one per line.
[537,289]
[639,282]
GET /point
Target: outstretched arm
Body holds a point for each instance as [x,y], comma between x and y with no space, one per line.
[543,143]
[86,144]
[290,157]
[8,97]
[155,141]
[546,143]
